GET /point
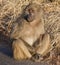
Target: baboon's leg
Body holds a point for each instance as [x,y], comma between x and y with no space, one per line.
[20,51]
[44,45]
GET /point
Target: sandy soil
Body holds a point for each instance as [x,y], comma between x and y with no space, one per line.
[5,60]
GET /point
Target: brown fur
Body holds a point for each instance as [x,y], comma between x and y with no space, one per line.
[27,31]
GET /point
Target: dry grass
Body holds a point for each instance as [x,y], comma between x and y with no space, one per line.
[11,9]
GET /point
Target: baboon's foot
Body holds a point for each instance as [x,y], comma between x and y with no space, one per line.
[37,57]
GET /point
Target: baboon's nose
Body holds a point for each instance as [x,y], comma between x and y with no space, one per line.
[25,17]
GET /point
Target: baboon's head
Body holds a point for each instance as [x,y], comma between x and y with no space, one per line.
[31,12]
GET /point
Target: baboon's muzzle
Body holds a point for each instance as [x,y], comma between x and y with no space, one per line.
[29,17]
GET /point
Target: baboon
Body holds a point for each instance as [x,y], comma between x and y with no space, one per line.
[29,34]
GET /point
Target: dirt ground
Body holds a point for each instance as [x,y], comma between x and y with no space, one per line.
[5,60]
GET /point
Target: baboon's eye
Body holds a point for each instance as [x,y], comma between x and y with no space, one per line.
[31,10]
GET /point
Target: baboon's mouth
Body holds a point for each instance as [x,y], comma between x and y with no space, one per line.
[29,18]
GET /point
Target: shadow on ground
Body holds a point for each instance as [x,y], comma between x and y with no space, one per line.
[5,45]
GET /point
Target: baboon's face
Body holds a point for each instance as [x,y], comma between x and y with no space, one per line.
[30,12]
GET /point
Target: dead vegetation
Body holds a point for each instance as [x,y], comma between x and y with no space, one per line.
[11,9]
